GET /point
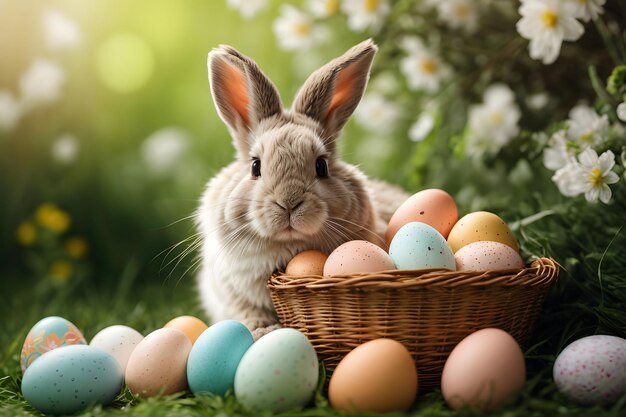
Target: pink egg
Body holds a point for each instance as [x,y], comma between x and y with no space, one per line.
[487,256]
[357,256]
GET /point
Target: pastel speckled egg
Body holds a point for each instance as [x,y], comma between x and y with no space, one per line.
[419,246]
[158,365]
[215,356]
[119,341]
[72,378]
[278,373]
[310,262]
[378,376]
[478,226]
[487,256]
[190,325]
[48,334]
[592,370]
[357,257]
[433,207]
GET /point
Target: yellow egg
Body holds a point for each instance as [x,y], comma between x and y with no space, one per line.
[191,326]
[310,262]
[378,376]
[481,226]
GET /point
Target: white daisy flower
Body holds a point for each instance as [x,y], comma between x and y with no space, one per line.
[164,148]
[559,153]
[60,31]
[493,123]
[621,111]
[323,8]
[566,178]
[459,14]
[65,149]
[248,8]
[424,71]
[422,127]
[10,111]
[363,14]
[295,30]
[594,175]
[587,10]
[586,127]
[41,83]
[377,114]
[547,23]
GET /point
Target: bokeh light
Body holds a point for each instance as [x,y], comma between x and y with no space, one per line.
[125,63]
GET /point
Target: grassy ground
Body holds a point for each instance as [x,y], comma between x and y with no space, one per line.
[588,299]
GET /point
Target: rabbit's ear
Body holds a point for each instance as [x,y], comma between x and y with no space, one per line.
[243,95]
[331,93]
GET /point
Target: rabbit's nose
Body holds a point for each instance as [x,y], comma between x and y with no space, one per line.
[289,208]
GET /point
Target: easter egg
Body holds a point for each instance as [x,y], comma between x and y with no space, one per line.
[357,257]
[119,341]
[592,370]
[310,262]
[483,370]
[481,226]
[378,376]
[71,378]
[46,335]
[278,373]
[418,246]
[484,256]
[191,326]
[158,365]
[433,207]
[215,356]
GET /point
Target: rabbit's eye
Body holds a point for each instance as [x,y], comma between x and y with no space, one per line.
[321,167]
[256,168]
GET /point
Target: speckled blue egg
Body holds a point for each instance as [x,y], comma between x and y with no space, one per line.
[592,370]
[215,356]
[46,335]
[419,246]
[278,373]
[71,378]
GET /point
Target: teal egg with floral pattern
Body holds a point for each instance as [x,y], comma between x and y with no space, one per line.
[46,335]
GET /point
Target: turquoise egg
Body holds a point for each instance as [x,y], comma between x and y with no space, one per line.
[420,246]
[278,373]
[72,378]
[215,356]
[46,335]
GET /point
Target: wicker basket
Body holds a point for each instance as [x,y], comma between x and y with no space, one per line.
[429,311]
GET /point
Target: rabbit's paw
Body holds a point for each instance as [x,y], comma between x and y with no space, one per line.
[262,331]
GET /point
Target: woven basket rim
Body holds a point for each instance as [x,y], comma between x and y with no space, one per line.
[542,271]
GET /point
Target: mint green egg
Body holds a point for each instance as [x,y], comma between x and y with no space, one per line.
[420,246]
[69,379]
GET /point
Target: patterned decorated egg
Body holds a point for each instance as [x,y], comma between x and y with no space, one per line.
[481,226]
[487,256]
[592,370]
[278,373]
[418,246]
[46,335]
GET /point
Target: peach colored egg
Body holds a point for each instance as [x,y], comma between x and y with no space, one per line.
[433,207]
[487,256]
[158,365]
[191,326]
[378,376]
[310,262]
[483,371]
[357,257]
[481,226]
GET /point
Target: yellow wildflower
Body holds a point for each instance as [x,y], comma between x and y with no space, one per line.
[52,218]
[61,271]
[76,247]
[26,233]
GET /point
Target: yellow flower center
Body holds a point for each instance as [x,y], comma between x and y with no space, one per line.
[332,6]
[50,217]
[549,18]
[461,11]
[595,178]
[583,1]
[302,29]
[26,234]
[61,271]
[428,66]
[371,5]
[76,247]
[496,117]
[587,137]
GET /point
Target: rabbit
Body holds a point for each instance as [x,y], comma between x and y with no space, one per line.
[287,191]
